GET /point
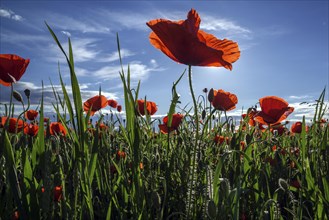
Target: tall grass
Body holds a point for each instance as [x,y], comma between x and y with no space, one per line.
[181,175]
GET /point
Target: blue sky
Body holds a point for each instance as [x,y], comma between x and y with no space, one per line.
[284,49]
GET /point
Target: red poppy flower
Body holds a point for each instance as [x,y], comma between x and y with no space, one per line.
[15,215]
[297,127]
[103,127]
[119,108]
[12,68]
[58,190]
[219,139]
[31,129]
[295,183]
[31,114]
[141,166]
[183,42]
[273,110]
[176,121]
[15,125]
[121,154]
[56,128]
[112,103]
[224,101]
[278,128]
[95,104]
[151,107]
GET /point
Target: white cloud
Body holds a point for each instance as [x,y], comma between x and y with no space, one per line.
[210,23]
[81,71]
[17,17]
[138,71]
[153,63]
[303,97]
[115,56]
[125,19]
[66,33]
[83,50]
[6,13]
[87,25]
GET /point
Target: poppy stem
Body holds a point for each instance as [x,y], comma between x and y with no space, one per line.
[196,118]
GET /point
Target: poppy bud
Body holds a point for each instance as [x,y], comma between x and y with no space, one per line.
[211,95]
[119,108]
[27,93]
[17,96]
[203,114]
[205,90]
[58,190]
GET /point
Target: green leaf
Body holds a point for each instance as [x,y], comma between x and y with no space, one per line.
[174,101]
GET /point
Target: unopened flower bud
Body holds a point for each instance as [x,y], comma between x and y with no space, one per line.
[17,96]
[27,93]
[211,95]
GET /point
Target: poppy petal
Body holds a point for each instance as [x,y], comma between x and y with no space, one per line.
[12,68]
[183,42]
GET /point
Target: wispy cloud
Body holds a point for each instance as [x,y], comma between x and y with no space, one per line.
[6,13]
[229,28]
[115,56]
[302,97]
[84,49]
[125,19]
[138,71]
[305,109]
[25,40]
[66,33]
[87,25]
[154,63]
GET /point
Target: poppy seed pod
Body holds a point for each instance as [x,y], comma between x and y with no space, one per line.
[17,96]
[211,95]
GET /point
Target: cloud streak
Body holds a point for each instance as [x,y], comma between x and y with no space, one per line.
[229,28]
[6,13]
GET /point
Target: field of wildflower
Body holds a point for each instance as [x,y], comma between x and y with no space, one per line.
[187,168]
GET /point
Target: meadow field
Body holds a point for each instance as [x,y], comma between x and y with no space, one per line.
[188,168]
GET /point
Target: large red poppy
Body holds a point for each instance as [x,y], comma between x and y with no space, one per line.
[31,114]
[183,42]
[12,68]
[297,127]
[151,107]
[112,103]
[56,128]
[273,110]
[31,130]
[224,101]
[176,121]
[15,125]
[95,104]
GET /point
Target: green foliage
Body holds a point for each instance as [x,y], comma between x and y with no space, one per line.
[128,170]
